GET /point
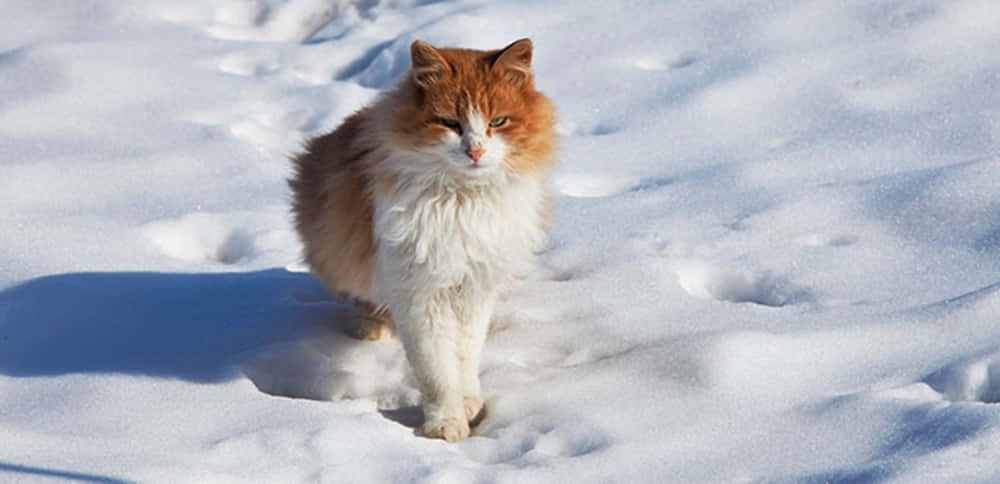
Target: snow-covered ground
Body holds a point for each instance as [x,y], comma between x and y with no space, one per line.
[776,254]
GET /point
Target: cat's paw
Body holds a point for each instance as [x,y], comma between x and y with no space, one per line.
[370,329]
[450,429]
[475,410]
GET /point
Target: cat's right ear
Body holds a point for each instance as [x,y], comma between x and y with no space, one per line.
[514,61]
[428,64]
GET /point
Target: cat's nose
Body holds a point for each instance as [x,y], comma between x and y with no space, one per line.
[475,152]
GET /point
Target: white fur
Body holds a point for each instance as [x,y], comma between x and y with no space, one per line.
[448,238]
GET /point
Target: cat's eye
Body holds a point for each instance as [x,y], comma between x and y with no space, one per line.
[451,124]
[498,122]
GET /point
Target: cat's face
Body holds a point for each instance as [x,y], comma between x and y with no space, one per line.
[475,112]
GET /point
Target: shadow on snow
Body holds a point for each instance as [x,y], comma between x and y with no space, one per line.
[196,327]
[39,472]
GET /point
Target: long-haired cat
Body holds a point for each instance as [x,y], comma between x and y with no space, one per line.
[420,208]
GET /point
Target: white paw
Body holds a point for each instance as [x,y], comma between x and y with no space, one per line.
[450,429]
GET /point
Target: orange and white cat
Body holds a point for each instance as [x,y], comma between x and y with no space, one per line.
[422,206]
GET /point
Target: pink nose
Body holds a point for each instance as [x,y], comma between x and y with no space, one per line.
[475,152]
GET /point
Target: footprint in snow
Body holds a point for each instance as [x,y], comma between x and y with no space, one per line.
[591,128]
[201,237]
[604,128]
[530,441]
[578,185]
[658,63]
[971,380]
[249,64]
[827,240]
[271,126]
[292,20]
[738,286]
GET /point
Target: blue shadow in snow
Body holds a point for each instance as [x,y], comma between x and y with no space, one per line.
[191,326]
[38,472]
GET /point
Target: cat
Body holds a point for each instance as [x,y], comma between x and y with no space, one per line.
[422,206]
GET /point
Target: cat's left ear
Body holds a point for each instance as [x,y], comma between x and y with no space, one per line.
[514,61]
[428,66]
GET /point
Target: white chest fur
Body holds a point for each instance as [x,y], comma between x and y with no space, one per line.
[445,235]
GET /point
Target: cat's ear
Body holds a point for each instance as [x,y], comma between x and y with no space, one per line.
[428,64]
[514,61]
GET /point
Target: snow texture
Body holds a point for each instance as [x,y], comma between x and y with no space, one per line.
[775,256]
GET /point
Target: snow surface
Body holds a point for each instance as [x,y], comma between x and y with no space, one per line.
[775,258]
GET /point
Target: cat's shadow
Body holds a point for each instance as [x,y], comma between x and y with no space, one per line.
[280,329]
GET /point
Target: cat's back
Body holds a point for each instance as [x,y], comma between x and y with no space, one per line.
[332,206]
[327,155]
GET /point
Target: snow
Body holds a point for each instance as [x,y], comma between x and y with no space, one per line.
[775,256]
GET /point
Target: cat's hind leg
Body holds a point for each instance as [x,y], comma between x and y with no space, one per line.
[370,323]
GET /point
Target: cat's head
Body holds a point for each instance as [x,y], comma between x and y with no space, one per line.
[476,112]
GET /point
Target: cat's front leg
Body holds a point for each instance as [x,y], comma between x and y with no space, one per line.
[473,326]
[430,336]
